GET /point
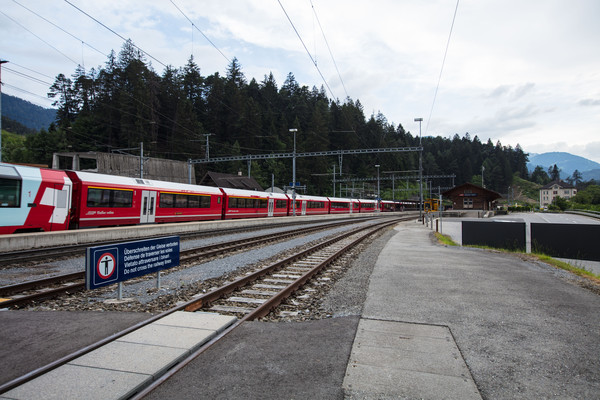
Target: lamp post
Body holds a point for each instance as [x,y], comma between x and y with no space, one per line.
[378,197]
[294,130]
[482,169]
[419,120]
[1,62]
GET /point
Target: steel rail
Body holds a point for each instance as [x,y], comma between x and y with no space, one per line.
[46,252]
[261,310]
[204,251]
[182,307]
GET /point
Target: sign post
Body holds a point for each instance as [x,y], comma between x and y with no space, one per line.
[115,263]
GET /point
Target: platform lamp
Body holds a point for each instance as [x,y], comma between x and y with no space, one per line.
[1,62]
[294,130]
[419,120]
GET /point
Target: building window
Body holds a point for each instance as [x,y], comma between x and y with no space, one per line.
[467,203]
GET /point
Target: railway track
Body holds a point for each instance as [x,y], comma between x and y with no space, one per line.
[27,292]
[32,255]
[288,275]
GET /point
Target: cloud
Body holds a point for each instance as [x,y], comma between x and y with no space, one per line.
[511,92]
[589,102]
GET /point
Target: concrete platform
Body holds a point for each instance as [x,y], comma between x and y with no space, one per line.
[123,367]
[401,360]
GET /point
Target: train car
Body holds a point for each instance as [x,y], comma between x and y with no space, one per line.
[408,205]
[390,206]
[239,203]
[33,199]
[367,206]
[279,205]
[107,200]
[431,205]
[311,205]
[343,206]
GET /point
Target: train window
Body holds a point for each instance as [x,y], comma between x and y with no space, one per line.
[340,205]
[10,192]
[10,187]
[167,200]
[122,198]
[315,204]
[193,201]
[281,204]
[204,201]
[98,197]
[171,200]
[181,201]
[262,203]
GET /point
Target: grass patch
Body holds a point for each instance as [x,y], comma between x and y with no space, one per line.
[568,267]
[443,239]
[582,272]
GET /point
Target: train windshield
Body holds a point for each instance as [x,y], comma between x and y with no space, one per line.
[10,187]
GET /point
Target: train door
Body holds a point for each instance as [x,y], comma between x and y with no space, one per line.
[62,203]
[271,207]
[147,215]
[304,207]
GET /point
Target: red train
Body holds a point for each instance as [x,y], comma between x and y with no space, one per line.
[38,199]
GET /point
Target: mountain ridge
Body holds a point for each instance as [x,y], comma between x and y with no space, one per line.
[567,163]
[26,113]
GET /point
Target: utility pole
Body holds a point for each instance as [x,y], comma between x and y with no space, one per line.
[294,130]
[1,62]
[419,120]
[482,169]
[207,153]
[142,160]
[333,180]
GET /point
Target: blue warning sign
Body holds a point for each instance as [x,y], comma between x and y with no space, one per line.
[122,261]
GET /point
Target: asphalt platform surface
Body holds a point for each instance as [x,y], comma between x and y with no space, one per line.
[524,330]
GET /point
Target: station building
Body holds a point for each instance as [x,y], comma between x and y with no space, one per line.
[472,197]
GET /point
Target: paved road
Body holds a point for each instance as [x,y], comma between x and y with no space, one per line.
[549,218]
[453,227]
[524,330]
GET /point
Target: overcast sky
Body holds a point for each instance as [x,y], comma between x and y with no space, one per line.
[518,72]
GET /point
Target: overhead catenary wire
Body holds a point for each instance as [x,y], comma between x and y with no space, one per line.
[75,62]
[202,33]
[58,27]
[100,52]
[329,48]
[442,68]
[48,44]
[114,32]
[306,49]
[31,78]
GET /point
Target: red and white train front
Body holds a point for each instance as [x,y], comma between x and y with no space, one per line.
[33,199]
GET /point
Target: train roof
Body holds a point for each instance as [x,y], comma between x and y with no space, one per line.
[14,171]
[367,200]
[94,178]
[252,193]
[342,199]
[309,197]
